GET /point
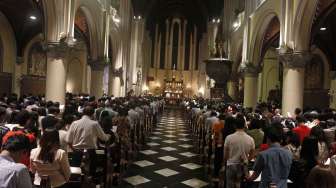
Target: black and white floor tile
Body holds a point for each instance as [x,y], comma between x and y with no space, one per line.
[169,158]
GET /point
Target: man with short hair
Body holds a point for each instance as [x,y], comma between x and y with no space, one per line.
[274,163]
[13,174]
[238,150]
[83,133]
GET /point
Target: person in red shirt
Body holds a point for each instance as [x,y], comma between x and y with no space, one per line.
[302,130]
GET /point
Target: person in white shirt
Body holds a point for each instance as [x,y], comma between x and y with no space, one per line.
[238,150]
[48,160]
[83,135]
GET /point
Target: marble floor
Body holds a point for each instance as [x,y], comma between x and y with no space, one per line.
[169,158]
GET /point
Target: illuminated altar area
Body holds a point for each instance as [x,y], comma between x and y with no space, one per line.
[173,90]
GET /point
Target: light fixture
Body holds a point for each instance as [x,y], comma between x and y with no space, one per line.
[134,17]
[32,17]
[214,20]
[139,17]
[218,20]
[235,24]
[323,28]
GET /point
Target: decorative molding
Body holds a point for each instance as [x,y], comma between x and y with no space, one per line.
[250,70]
[295,60]
[98,65]
[59,50]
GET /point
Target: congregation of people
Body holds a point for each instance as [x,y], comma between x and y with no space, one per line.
[45,144]
[263,148]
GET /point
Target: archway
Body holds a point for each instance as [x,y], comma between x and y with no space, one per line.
[77,68]
[319,82]
[269,78]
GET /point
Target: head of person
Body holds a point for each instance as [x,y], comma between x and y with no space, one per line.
[292,138]
[49,143]
[321,177]
[88,111]
[213,113]
[49,123]
[16,144]
[309,150]
[240,121]
[53,110]
[318,133]
[297,111]
[23,118]
[300,120]
[274,133]
[254,124]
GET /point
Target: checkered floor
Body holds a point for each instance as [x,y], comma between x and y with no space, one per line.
[169,158]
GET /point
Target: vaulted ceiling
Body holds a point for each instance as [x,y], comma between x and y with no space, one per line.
[195,11]
[18,13]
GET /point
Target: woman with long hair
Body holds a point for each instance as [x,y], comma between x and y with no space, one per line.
[48,160]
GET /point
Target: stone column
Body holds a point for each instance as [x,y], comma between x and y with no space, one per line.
[250,86]
[232,86]
[97,76]
[293,80]
[184,34]
[332,91]
[56,75]
[179,52]
[167,45]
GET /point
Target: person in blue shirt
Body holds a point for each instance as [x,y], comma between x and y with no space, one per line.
[274,163]
[12,173]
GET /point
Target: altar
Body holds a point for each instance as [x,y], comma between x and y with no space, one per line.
[173,90]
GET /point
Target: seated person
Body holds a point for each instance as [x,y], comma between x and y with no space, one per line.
[49,160]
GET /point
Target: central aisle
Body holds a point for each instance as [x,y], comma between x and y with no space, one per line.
[169,159]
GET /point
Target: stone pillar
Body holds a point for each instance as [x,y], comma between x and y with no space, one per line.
[250,86]
[232,86]
[184,34]
[167,46]
[97,76]
[180,49]
[56,75]
[332,91]
[293,80]
[16,85]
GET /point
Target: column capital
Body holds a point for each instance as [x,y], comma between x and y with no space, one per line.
[59,50]
[295,59]
[250,70]
[99,64]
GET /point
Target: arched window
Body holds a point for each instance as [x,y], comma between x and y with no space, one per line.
[175,46]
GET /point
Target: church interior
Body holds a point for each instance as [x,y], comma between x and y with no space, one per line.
[171,65]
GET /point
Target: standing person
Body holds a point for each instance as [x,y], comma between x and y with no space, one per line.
[13,174]
[49,160]
[83,135]
[218,144]
[321,178]
[323,149]
[274,163]
[302,130]
[238,150]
